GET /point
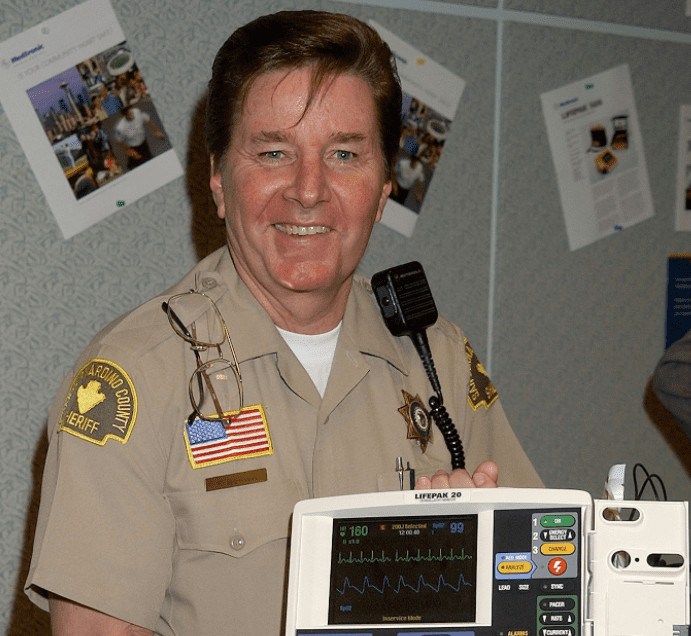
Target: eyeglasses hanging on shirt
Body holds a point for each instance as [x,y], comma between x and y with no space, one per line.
[215,387]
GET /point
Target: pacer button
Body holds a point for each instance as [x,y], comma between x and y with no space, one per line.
[557,604]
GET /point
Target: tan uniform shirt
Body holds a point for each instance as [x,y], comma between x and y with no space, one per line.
[127,526]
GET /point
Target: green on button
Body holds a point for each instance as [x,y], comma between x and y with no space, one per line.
[557,521]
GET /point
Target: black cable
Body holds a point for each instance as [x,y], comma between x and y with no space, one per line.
[649,480]
[448,431]
[436,403]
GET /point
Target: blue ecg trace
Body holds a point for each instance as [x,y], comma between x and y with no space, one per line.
[402,584]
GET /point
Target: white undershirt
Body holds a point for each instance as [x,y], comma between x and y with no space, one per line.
[315,353]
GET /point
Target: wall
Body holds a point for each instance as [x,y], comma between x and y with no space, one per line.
[571,338]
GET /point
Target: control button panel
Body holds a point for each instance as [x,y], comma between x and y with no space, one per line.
[537,574]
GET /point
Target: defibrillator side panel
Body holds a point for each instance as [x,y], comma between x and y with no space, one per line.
[638,556]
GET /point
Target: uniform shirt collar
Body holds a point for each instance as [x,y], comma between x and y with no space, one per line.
[364,326]
[254,334]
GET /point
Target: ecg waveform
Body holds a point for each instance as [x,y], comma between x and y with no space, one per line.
[406,558]
[418,567]
[401,585]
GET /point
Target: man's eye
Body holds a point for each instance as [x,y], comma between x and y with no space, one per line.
[344,155]
[272,155]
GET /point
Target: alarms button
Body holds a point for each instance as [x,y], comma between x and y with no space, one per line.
[551,549]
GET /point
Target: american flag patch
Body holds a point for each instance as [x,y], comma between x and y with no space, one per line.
[209,443]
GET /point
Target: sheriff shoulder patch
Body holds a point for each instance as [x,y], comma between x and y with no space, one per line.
[101,403]
[481,391]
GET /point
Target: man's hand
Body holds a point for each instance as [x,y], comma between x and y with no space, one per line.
[485,476]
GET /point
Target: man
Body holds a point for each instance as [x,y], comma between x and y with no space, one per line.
[95,142]
[152,521]
[672,381]
[130,135]
[409,174]
[109,101]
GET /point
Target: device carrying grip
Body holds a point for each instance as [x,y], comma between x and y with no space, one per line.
[407,306]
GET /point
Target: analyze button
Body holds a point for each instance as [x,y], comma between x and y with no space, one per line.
[514,567]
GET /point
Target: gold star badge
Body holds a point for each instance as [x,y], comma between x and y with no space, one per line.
[418,419]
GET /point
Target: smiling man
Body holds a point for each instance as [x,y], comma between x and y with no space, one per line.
[213,411]
[300,189]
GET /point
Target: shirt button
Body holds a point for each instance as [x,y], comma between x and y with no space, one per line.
[237,542]
[208,282]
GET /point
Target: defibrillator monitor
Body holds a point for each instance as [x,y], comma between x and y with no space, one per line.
[481,562]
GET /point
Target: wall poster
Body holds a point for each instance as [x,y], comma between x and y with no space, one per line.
[82,112]
[597,151]
[431,95]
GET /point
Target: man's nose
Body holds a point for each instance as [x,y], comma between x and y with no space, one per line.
[310,183]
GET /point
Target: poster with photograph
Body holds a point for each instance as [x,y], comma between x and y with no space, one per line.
[83,114]
[682,221]
[431,95]
[597,151]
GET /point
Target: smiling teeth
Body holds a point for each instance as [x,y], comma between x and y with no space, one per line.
[302,230]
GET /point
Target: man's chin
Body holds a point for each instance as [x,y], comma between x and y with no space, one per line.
[309,277]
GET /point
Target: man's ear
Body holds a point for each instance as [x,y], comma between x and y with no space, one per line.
[386,191]
[216,185]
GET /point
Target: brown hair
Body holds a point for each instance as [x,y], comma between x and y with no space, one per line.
[330,43]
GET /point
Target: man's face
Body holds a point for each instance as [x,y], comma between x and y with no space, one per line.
[300,194]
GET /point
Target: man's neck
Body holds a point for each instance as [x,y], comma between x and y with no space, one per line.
[306,312]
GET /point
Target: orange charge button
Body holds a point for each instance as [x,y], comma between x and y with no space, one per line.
[550,549]
[514,567]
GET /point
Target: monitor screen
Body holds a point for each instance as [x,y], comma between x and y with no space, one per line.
[403,569]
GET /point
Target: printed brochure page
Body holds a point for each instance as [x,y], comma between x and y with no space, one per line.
[431,95]
[597,151]
[84,116]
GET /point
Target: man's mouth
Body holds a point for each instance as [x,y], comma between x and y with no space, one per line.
[301,230]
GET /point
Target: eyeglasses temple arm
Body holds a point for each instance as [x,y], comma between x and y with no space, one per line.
[166,307]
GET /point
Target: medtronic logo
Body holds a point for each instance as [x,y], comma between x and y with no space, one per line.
[19,58]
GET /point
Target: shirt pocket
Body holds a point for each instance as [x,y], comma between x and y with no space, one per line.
[234,521]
